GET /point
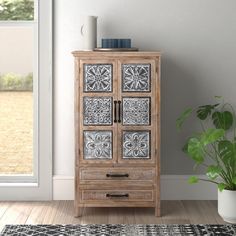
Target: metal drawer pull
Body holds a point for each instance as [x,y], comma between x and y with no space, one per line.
[119,111]
[117,195]
[117,175]
[115,119]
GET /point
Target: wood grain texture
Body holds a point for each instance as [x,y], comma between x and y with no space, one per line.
[62,212]
[42,212]
[105,174]
[144,174]
[158,136]
[16,213]
[77,128]
[114,196]
[92,55]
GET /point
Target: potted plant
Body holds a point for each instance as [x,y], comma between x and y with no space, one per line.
[214,147]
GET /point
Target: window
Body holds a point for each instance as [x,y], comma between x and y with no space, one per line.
[17,75]
[25,99]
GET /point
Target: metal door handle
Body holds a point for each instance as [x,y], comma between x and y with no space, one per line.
[115,119]
[119,111]
[117,195]
[117,175]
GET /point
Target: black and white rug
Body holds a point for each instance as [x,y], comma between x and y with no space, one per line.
[118,230]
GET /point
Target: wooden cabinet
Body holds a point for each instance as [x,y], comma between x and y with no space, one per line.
[117,129]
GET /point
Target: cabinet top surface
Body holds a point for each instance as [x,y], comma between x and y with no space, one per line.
[115,54]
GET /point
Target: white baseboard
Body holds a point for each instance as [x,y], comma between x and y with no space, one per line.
[63,187]
[173,187]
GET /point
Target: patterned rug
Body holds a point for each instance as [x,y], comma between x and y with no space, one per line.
[118,230]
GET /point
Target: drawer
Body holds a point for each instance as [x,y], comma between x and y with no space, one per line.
[117,195]
[112,174]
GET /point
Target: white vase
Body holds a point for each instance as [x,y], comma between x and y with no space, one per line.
[89,32]
[227,205]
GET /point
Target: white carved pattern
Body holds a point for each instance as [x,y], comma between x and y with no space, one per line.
[136,111]
[97,110]
[136,77]
[97,145]
[136,145]
[97,77]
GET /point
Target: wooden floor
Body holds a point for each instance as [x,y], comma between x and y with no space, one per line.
[61,212]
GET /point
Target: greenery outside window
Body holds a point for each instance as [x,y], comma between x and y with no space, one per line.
[16,10]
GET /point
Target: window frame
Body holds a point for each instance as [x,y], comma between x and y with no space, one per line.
[38,186]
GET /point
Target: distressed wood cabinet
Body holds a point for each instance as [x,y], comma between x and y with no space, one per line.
[117,129]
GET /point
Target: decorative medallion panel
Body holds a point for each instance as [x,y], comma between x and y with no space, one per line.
[97,110]
[136,111]
[136,77]
[97,145]
[136,144]
[97,77]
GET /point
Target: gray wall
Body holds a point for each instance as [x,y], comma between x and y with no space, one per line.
[198,42]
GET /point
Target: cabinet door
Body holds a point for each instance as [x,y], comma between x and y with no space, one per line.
[137,132]
[97,95]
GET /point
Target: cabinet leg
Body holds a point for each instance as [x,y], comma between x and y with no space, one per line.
[157,211]
[78,211]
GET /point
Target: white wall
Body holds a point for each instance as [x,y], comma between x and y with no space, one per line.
[16,50]
[198,42]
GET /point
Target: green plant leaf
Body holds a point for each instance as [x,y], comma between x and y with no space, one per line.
[211,135]
[183,117]
[213,172]
[227,152]
[221,186]
[193,180]
[204,111]
[185,148]
[234,180]
[195,150]
[222,120]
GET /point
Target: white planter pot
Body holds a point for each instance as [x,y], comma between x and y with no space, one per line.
[227,205]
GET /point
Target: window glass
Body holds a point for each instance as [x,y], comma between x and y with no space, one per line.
[17,72]
[16,100]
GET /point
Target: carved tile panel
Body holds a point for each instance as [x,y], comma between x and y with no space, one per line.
[136,111]
[136,77]
[97,78]
[97,145]
[136,144]
[97,110]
